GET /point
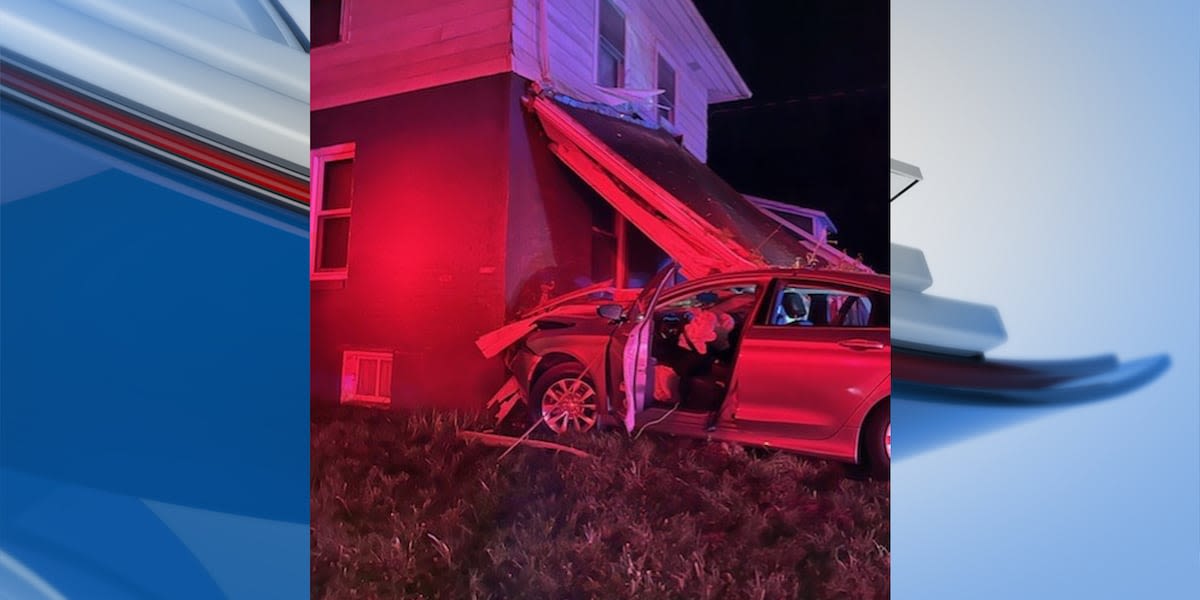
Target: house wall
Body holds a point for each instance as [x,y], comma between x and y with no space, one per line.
[460,214]
[572,40]
[551,215]
[427,241]
[392,46]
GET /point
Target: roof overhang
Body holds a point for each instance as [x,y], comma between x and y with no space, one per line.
[681,23]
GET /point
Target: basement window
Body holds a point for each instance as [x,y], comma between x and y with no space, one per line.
[332,191]
[610,51]
[366,377]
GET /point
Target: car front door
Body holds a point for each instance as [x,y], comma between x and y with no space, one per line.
[629,352]
[812,357]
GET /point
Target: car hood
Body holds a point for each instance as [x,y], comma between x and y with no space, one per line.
[571,320]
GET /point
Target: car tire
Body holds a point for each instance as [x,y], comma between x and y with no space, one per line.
[877,441]
[565,404]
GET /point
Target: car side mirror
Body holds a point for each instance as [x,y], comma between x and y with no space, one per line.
[612,312]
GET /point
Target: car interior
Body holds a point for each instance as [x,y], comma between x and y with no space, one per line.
[801,306]
[695,344]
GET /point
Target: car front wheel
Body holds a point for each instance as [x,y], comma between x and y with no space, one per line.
[565,399]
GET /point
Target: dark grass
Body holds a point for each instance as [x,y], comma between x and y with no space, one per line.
[401,508]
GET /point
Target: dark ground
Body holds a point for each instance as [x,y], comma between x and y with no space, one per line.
[401,508]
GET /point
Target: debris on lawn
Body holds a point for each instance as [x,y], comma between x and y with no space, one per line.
[495,439]
[708,520]
[507,397]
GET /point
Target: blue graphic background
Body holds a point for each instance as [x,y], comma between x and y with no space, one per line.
[1060,142]
[153,376]
[154,356]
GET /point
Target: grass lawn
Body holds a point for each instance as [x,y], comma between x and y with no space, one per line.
[402,508]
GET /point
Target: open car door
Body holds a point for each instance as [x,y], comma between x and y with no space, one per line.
[629,351]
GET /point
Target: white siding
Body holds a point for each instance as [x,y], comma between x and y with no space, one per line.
[572,49]
[692,115]
[393,47]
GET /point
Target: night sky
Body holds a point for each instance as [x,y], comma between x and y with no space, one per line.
[815,132]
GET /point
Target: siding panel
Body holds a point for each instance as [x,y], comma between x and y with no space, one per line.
[395,47]
[572,40]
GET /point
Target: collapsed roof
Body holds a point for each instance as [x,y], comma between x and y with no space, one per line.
[666,192]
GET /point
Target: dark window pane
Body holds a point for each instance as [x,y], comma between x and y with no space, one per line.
[333,239]
[326,23]
[643,258]
[368,374]
[339,184]
[612,26]
[608,73]
[385,378]
[604,239]
[666,82]
[881,310]
[805,223]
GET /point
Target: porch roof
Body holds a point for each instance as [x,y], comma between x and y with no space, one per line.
[666,192]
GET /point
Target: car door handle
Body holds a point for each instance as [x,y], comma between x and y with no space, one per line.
[861,344]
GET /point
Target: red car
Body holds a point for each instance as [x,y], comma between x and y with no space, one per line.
[787,358]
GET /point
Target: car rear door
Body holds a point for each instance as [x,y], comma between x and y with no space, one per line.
[812,375]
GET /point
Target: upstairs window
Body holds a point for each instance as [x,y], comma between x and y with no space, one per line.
[666,83]
[332,195]
[610,51]
[326,23]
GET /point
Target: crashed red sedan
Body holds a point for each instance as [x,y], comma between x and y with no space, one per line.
[788,358]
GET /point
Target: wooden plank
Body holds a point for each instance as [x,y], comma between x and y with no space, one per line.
[494,342]
[505,441]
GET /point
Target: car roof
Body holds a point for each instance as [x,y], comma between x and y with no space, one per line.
[871,280]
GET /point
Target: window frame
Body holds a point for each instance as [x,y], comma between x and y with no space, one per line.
[600,42]
[673,109]
[320,157]
[343,28]
[679,292]
[351,396]
[764,318]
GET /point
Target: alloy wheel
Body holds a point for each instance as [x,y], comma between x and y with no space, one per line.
[569,404]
